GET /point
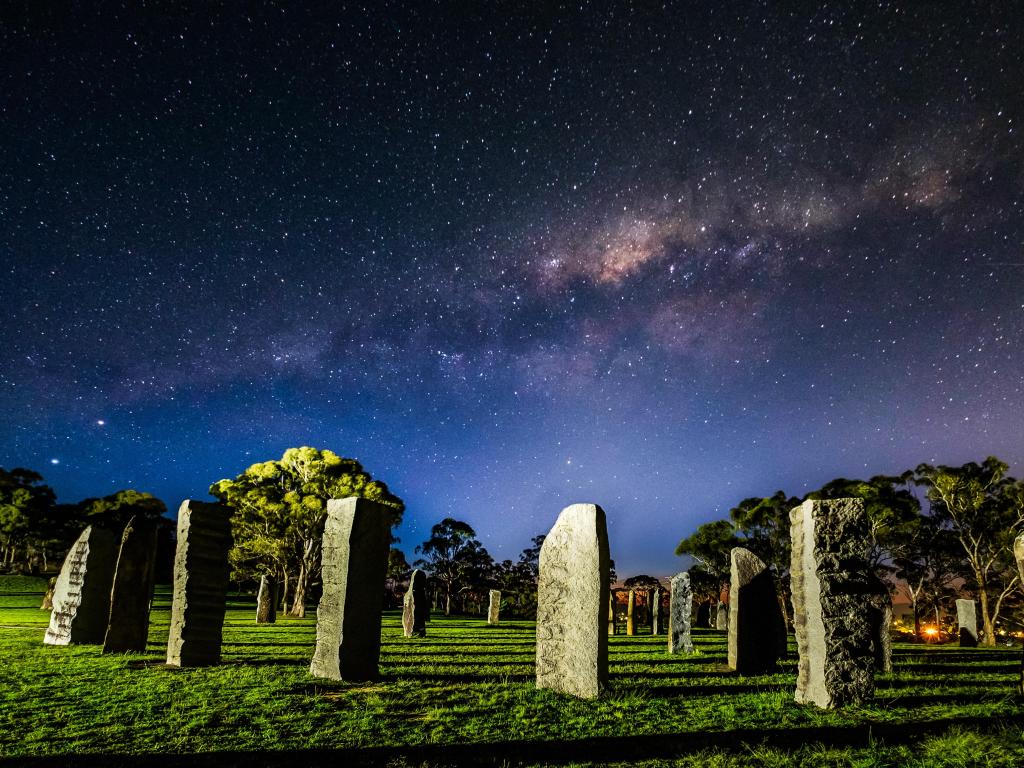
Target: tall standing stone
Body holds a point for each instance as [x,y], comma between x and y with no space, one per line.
[881,622]
[132,590]
[266,600]
[201,573]
[831,600]
[493,606]
[967,621]
[655,602]
[679,608]
[415,608]
[611,612]
[572,600]
[755,619]
[355,560]
[81,596]
[722,616]
[630,610]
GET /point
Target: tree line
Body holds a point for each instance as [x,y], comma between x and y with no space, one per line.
[936,533]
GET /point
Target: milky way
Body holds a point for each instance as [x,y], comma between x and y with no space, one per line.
[660,258]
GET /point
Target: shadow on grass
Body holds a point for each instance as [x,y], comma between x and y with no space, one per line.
[597,749]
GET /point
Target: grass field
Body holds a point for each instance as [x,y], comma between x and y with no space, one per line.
[465,694]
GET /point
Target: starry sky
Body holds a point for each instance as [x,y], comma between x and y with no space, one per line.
[511,257]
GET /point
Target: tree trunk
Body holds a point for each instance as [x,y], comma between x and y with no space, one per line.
[448,603]
[986,617]
[298,608]
[917,620]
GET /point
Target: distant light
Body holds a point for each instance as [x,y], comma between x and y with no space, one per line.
[931,631]
[55,461]
[100,422]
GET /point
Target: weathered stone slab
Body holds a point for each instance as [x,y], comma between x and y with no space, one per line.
[881,623]
[201,573]
[494,606]
[572,600]
[655,605]
[355,560]
[967,622]
[722,616]
[831,601]
[81,596]
[415,609]
[755,619]
[132,590]
[679,610]
[266,600]
[611,613]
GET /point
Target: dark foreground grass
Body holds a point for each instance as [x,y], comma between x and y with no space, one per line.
[465,694]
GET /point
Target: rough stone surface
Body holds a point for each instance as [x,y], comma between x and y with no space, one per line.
[722,616]
[81,596]
[832,602]
[967,622]
[881,623]
[266,600]
[572,604]
[754,615]
[415,608]
[201,573]
[132,590]
[493,606]
[679,609]
[355,560]
[655,605]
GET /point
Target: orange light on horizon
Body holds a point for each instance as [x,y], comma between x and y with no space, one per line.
[931,631]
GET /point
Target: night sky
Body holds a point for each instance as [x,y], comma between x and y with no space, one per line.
[657,258]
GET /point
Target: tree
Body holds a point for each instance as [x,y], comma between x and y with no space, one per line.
[455,558]
[279,508]
[929,563]
[764,523]
[711,545]
[114,511]
[985,510]
[32,524]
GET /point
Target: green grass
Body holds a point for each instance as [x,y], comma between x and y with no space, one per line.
[465,692]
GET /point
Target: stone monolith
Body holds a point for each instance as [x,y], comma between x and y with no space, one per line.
[611,612]
[266,600]
[679,608]
[81,596]
[881,623]
[755,619]
[132,591]
[201,573]
[655,601]
[703,615]
[722,616]
[572,604]
[630,611]
[493,606]
[415,608]
[832,614]
[967,621]
[355,560]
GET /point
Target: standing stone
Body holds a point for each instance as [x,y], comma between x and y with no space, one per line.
[704,615]
[755,619]
[611,613]
[630,608]
[881,622]
[679,607]
[355,561]
[831,602]
[722,616]
[572,597]
[266,600]
[415,607]
[493,606]
[655,609]
[201,573]
[81,597]
[132,590]
[967,620]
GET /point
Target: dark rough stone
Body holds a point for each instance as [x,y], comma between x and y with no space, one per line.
[132,590]
[572,604]
[967,621]
[81,596]
[832,602]
[703,615]
[201,573]
[355,561]
[415,609]
[881,623]
[493,606]
[266,600]
[680,607]
[755,618]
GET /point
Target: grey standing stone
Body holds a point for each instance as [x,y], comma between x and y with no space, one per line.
[831,602]
[655,602]
[81,596]
[722,616]
[881,623]
[355,560]
[967,621]
[132,590]
[415,608]
[572,600]
[494,606]
[266,600]
[201,573]
[680,607]
[630,610]
[755,619]
[611,612]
